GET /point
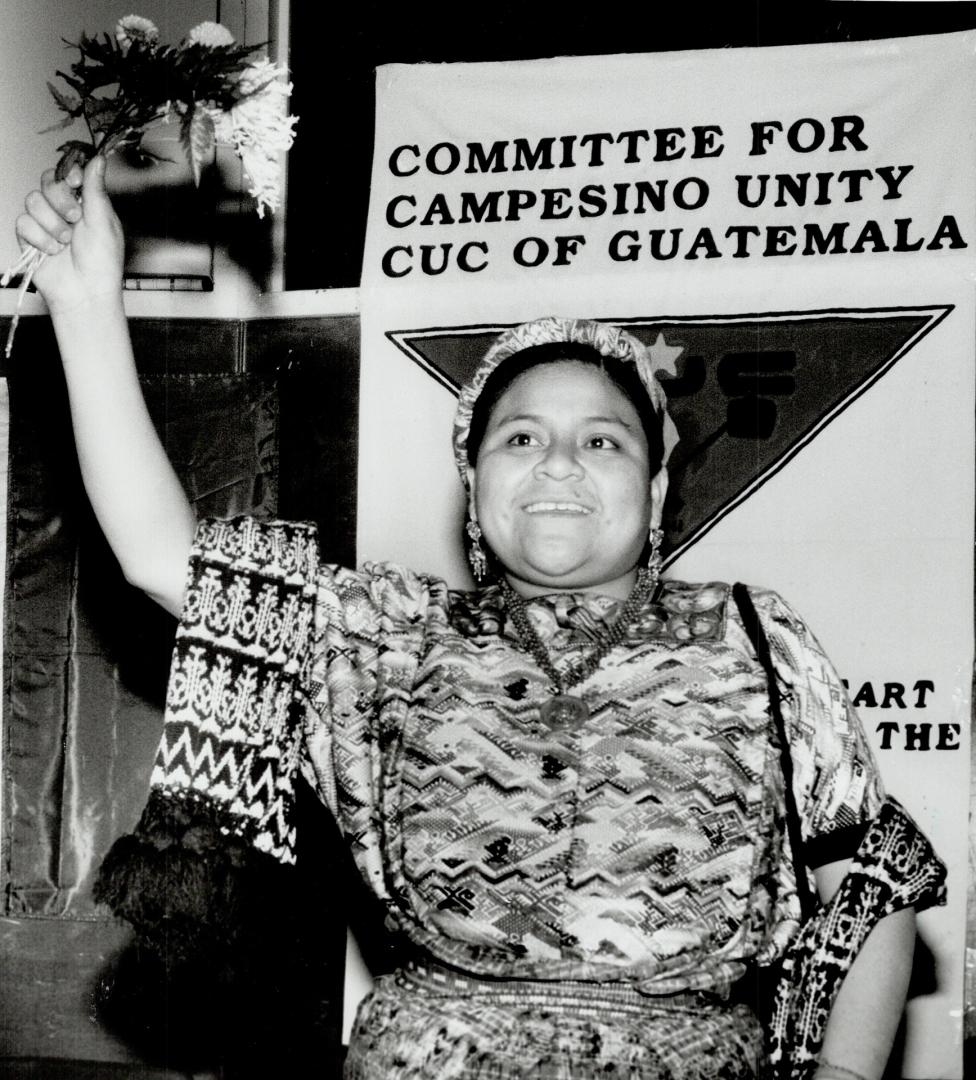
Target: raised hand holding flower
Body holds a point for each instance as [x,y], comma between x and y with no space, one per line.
[85,229]
[215,89]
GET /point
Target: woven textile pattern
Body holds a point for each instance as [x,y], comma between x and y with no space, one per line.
[627,842]
[895,868]
[629,870]
[232,729]
[419,1028]
[638,847]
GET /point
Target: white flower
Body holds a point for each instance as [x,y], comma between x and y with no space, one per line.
[259,129]
[257,74]
[132,28]
[211,34]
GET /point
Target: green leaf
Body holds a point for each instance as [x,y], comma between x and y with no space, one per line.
[74,83]
[69,103]
[65,121]
[101,113]
[73,153]
[198,139]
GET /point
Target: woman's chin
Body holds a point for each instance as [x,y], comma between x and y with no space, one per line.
[565,575]
[554,566]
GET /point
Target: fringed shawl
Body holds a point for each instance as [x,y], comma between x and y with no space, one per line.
[221,801]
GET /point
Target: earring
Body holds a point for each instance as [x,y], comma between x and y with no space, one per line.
[654,558]
[476,553]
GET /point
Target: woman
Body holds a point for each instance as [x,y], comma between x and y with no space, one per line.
[564,785]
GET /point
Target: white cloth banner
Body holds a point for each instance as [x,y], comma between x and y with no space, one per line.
[792,230]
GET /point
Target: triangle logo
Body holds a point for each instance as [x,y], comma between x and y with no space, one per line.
[746,392]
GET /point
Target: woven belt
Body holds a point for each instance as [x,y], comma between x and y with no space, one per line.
[427,977]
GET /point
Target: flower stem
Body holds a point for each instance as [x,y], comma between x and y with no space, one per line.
[30,259]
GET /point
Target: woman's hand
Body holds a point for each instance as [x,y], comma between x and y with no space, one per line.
[72,222]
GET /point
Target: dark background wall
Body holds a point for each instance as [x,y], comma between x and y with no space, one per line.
[253,415]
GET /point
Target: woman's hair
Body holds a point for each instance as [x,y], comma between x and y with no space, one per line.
[620,372]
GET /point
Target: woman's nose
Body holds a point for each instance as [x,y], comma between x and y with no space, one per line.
[560,461]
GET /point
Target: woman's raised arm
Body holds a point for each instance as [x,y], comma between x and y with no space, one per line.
[137,498]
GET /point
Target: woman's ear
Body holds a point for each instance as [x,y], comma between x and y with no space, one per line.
[659,492]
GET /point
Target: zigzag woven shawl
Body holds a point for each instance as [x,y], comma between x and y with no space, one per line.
[222,789]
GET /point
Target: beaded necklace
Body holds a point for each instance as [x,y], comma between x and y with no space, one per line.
[563,709]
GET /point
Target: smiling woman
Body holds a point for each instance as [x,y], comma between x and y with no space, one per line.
[562,785]
[561,483]
[561,438]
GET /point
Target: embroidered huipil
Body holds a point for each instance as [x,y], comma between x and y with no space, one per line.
[578,900]
[642,851]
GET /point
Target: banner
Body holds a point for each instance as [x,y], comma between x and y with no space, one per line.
[791,230]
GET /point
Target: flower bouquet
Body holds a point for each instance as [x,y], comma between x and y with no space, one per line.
[216,90]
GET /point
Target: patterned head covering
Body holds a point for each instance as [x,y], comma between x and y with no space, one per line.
[608,340]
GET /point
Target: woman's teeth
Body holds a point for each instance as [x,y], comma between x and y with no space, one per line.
[556,507]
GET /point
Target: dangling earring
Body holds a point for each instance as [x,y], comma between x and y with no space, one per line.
[476,553]
[654,559]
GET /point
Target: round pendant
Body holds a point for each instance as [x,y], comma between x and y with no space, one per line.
[563,711]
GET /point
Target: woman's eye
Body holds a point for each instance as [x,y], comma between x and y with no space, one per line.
[523,438]
[603,442]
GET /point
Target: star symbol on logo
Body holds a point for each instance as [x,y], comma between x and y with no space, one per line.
[664,356]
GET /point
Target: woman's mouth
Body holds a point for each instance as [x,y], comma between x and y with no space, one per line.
[554,507]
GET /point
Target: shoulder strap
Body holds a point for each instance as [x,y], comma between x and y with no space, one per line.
[757,635]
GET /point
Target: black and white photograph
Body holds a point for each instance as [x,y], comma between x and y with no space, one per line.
[489,541]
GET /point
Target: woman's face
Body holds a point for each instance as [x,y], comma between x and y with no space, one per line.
[562,488]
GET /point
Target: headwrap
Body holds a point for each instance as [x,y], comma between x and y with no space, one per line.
[608,340]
